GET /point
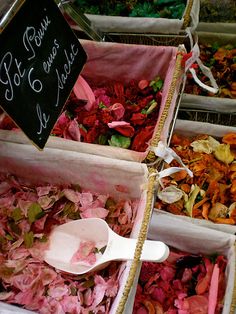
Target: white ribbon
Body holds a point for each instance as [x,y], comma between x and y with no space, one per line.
[167,154]
[205,70]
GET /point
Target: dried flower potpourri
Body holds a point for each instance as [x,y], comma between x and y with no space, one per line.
[222,62]
[122,115]
[215,11]
[211,193]
[28,214]
[183,284]
[172,9]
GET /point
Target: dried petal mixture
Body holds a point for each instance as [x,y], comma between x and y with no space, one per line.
[27,216]
[211,193]
[183,284]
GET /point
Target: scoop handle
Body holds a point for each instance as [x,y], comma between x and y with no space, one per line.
[120,248]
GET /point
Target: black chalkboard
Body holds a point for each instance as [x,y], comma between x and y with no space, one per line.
[40,60]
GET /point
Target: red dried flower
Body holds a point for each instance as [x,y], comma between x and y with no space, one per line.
[140,142]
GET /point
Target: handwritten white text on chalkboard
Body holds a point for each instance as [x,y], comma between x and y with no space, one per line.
[43,119]
[32,38]
[62,77]
[11,74]
[47,64]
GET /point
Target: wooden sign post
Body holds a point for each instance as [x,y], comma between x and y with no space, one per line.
[40,60]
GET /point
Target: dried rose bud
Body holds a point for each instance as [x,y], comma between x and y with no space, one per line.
[143,84]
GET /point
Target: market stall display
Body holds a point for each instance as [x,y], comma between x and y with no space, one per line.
[39,193]
[135,91]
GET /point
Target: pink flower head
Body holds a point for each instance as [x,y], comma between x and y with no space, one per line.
[117,110]
[122,127]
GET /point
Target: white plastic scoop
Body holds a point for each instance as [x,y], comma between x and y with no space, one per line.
[70,240]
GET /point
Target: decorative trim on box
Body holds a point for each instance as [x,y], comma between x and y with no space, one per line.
[176,75]
[233,302]
[187,16]
[141,238]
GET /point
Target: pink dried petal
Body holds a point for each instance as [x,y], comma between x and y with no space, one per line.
[83,91]
[98,212]
[98,291]
[24,225]
[24,298]
[72,195]
[100,201]
[4,296]
[43,190]
[70,304]
[7,202]
[117,110]
[116,124]
[73,131]
[47,276]
[123,219]
[182,305]
[213,291]
[58,291]
[85,253]
[4,187]
[62,121]
[39,224]
[23,282]
[204,283]
[187,275]
[158,295]
[86,199]
[37,251]
[88,297]
[198,304]
[167,273]
[19,253]
[112,286]
[51,305]
[128,210]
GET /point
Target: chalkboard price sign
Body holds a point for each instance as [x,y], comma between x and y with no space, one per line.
[40,60]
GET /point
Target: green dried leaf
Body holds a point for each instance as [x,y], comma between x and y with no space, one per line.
[14,227]
[156,84]
[120,141]
[43,239]
[17,214]
[9,237]
[89,283]
[5,271]
[34,212]
[102,250]
[101,105]
[28,239]
[69,209]
[102,139]
[73,291]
